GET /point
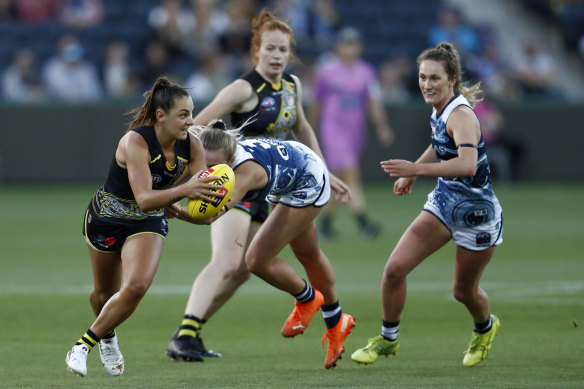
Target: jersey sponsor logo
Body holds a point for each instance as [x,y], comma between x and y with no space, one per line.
[483,238]
[156,178]
[268,104]
[300,195]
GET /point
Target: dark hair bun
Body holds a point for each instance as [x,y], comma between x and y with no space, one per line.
[218,124]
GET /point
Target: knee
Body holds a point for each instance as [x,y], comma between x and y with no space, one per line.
[237,272]
[394,273]
[135,290]
[461,294]
[100,297]
[252,263]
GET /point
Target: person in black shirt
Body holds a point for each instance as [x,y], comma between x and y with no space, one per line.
[126,221]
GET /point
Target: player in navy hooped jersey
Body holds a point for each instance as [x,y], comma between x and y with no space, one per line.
[269,100]
[293,178]
[462,207]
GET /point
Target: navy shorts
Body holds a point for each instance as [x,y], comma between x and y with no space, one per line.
[107,234]
[258,209]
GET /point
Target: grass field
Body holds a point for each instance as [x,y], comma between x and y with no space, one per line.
[535,282]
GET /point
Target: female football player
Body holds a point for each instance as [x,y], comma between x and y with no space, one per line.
[273,98]
[295,180]
[462,207]
[125,222]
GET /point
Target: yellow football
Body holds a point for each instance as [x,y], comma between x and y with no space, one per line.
[200,209]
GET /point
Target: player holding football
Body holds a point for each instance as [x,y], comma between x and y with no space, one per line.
[125,222]
[462,207]
[295,180]
[273,98]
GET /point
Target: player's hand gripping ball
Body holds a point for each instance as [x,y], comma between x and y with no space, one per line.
[201,209]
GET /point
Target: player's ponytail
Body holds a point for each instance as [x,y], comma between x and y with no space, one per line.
[215,136]
[162,96]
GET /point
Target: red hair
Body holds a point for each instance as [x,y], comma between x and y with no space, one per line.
[267,21]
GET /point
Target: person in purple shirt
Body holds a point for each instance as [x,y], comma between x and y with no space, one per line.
[345,88]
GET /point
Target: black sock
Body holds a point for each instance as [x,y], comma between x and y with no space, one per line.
[362,220]
[326,222]
[190,326]
[89,339]
[484,327]
[331,313]
[110,335]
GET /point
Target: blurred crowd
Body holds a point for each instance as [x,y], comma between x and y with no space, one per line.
[204,44]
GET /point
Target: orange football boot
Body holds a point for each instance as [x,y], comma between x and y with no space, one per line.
[301,315]
[336,339]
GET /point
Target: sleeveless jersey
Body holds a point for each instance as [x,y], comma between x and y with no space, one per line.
[463,201]
[275,114]
[115,198]
[291,167]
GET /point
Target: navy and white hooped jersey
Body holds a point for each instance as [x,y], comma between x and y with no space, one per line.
[461,201]
[297,177]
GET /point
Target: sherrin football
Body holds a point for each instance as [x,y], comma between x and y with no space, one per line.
[200,209]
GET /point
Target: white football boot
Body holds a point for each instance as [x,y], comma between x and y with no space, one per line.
[111,356]
[77,359]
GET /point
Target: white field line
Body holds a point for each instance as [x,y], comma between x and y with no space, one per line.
[535,292]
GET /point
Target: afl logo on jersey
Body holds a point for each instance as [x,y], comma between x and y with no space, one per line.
[268,104]
[156,179]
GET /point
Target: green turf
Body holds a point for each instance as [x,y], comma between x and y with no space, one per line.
[535,282]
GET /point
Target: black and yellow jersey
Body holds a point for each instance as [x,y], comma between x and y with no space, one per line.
[116,199]
[275,114]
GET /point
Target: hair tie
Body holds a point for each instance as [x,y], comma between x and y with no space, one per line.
[218,124]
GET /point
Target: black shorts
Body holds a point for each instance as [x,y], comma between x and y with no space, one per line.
[258,209]
[108,234]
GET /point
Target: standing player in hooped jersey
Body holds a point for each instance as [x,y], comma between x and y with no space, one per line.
[270,101]
[462,207]
[295,180]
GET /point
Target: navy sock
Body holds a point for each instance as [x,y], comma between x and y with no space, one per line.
[331,313]
[484,327]
[306,295]
[389,329]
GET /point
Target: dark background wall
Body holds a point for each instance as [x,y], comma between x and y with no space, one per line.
[57,143]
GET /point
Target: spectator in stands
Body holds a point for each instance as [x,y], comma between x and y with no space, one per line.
[171,21]
[535,71]
[235,40]
[80,14]
[450,27]
[119,79]
[157,62]
[345,89]
[7,12]
[314,23]
[68,76]
[21,81]
[505,152]
[494,71]
[36,11]
[205,82]
[211,22]
[395,76]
